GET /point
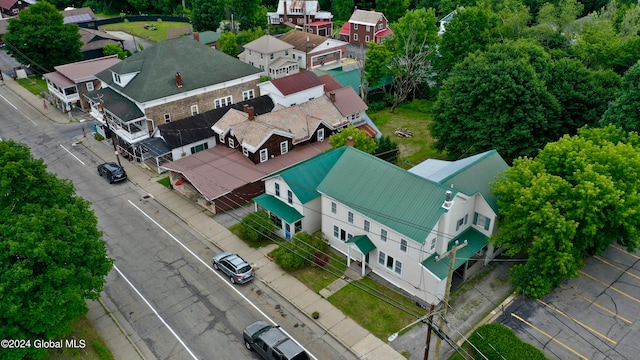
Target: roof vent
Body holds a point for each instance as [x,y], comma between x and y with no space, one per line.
[447,200]
[178,79]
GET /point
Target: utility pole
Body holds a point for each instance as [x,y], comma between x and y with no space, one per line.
[428,340]
[447,290]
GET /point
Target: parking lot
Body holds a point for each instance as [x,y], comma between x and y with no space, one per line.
[595,316]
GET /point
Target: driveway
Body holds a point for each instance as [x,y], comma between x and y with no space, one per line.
[595,316]
[131,42]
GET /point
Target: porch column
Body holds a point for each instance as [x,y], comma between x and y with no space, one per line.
[348,255]
[363,256]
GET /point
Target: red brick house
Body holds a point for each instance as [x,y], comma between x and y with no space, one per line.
[364,27]
[302,14]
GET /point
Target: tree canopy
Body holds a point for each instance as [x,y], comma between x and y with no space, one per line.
[624,110]
[207,15]
[39,37]
[51,253]
[576,197]
[361,140]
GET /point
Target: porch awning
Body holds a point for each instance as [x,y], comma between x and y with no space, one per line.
[363,243]
[475,241]
[282,210]
[156,146]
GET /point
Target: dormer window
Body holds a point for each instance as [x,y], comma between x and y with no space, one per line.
[116,78]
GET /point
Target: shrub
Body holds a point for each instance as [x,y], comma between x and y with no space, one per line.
[301,251]
[257,226]
[315,315]
[288,260]
[376,106]
[98,137]
[497,341]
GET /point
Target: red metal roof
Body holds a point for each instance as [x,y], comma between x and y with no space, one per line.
[368,129]
[384,32]
[318,23]
[297,82]
[330,83]
[218,171]
[345,30]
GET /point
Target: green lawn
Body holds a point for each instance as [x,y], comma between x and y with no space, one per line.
[166,182]
[37,88]
[317,278]
[415,116]
[138,29]
[95,347]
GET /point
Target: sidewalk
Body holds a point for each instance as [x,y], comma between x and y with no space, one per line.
[344,330]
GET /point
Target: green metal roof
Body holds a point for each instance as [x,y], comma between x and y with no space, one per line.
[363,243]
[352,78]
[156,68]
[282,210]
[303,179]
[208,37]
[478,176]
[394,197]
[475,241]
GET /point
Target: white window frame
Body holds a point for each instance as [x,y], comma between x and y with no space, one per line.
[384,235]
[221,137]
[389,262]
[223,101]
[482,221]
[355,37]
[249,94]
[433,244]
[284,147]
[194,110]
[367,226]
[336,232]
[116,79]
[367,38]
[245,151]
[277,189]
[350,217]
[89,86]
[264,155]
[355,26]
[232,143]
[290,197]
[334,208]
[320,135]
[167,118]
[403,245]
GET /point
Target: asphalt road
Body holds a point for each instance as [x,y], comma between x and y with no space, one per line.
[162,281]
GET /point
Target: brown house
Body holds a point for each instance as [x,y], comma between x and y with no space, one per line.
[364,27]
[12,7]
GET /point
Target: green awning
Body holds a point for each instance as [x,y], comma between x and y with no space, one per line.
[282,210]
[363,243]
[475,241]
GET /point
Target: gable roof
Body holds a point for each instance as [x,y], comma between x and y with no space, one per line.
[307,7]
[365,17]
[348,102]
[117,104]
[267,44]
[475,241]
[7,4]
[304,178]
[297,82]
[392,196]
[298,39]
[75,16]
[345,29]
[470,175]
[350,76]
[208,37]
[96,39]
[330,83]
[85,70]
[198,127]
[155,68]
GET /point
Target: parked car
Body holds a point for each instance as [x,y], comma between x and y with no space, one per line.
[272,343]
[112,171]
[238,270]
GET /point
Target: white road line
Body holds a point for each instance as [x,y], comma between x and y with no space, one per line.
[9,102]
[155,312]
[70,153]
[220,276]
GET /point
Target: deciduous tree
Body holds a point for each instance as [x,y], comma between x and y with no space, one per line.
[207,14]
[361,140]
[40,37]
[229,43]
[624,110]
[51,252]
[392,9]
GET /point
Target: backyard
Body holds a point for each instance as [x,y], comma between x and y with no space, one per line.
[155,31]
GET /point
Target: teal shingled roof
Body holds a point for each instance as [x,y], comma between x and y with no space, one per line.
[157,65]
[394,197]
[303,179]
[475,241]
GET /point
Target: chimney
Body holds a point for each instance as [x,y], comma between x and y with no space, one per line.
[251,112]
[350,141]
[332,96]
[447,200]
[178,79]
[196,36]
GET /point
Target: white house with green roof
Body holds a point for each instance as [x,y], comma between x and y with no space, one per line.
[393,221]
[169,81]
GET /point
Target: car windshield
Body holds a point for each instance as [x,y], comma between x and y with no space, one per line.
[244,269]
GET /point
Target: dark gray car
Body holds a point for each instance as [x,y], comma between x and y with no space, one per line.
[112,171]
[272,343]
[238,270]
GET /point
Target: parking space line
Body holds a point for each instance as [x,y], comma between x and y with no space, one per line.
[592,330]
[624,251]
[615,266]
[550,337]
[592,302]
[609,286]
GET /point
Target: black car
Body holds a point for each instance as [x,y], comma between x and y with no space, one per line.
[112,171]
[238,270]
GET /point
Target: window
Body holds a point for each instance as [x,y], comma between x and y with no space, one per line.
[481,220]
[350,217]
[336,232]
[284,147]
[221,139]
[167,118]
[250,54]
[433,244]
[389,262]
[368,28]
[398,268]
[245,151]
[271,56]
[223,101]
[198,148]
[263,155]
[194,110]
[403,245]
[367,225]
[286,53]
[298,226]
[355,26]
[290,197]
[232,143]
[366,38]
[261,67]
[246,95]
[116,78]
[334,208]
[355,37]
[381,257]
[320,136]
[261,56]
[459,223]
[277,189]
[89,86]
[383,235]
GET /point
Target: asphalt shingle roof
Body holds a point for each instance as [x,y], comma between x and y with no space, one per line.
[268,44]
[156,67]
